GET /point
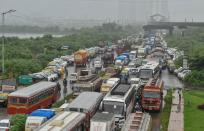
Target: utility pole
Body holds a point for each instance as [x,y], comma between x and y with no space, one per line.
[3,40]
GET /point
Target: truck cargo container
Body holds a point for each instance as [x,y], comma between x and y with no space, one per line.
[103,122]
[87,82]
[80,58]
[65,121]
[138,121]
[88,103]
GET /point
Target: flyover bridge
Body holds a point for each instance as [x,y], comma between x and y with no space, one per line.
[170,25]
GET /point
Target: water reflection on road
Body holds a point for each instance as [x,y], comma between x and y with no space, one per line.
[170,81]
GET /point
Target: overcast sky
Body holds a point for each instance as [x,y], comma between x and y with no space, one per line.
[133,10]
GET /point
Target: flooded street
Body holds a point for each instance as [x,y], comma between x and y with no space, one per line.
[170,81]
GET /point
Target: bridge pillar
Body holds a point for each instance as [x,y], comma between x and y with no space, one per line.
[171,31]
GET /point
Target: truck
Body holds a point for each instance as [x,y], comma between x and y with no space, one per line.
[141,53]
[37,118]
[171,66]
[103,122]
[5,90]
[108,58]
[152,95]
[138,121]
[107,85]
[4,125]
[87,103]
[133,55]
[80,57]
[87,82]
[98,64]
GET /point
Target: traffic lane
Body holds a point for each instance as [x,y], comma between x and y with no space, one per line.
[170,80]
[70,69]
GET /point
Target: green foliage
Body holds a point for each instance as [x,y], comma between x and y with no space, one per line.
[23,56]
[193,117]
[166,111]
[18,122]
[193,45]
[195,79]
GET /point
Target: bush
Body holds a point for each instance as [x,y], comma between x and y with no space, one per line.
[18,122]
[196,78]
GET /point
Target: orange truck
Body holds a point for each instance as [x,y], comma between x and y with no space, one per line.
[152,95]
[80,57]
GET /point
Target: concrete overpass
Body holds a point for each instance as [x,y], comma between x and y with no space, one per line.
[170,25]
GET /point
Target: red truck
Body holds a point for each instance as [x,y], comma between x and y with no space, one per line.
[80,57]
[152,95]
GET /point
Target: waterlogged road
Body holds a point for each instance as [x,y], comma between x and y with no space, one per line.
[170,81]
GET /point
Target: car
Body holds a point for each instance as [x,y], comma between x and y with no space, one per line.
[4,125]
[183,74]
[176,71]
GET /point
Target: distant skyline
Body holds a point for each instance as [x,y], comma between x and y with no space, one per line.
[60,11]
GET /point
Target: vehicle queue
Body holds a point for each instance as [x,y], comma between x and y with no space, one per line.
[138,83]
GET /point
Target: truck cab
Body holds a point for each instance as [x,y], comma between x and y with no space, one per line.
[4,125]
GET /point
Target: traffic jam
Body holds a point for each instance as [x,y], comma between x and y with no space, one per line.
[113,87]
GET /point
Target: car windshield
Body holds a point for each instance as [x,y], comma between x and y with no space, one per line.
[113,107]
[151,95]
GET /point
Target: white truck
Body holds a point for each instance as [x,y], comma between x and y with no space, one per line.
[98,64]
[4,125]
[33,122]
[141,53]
[103,122]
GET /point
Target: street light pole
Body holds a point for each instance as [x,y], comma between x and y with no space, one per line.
[3,40]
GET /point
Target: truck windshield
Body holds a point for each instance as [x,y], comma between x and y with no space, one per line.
[4,125]
[151,95]
[146,73]
[113,107]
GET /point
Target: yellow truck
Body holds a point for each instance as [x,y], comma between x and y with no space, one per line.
[6,89]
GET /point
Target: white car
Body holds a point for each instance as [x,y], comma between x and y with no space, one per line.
[178,70]
[183,74]
[4,125]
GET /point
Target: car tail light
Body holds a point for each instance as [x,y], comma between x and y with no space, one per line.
[7,129]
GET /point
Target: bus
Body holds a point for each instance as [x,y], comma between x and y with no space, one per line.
[119,101]
[28,99]
[149,70]
[87,103]
[65,121]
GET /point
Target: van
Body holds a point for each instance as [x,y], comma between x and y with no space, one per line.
[33,122]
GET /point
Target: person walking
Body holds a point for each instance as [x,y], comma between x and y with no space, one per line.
[65,82]
[66,72]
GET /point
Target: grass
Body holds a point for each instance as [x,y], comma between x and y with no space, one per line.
[166,111]
[193,117]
